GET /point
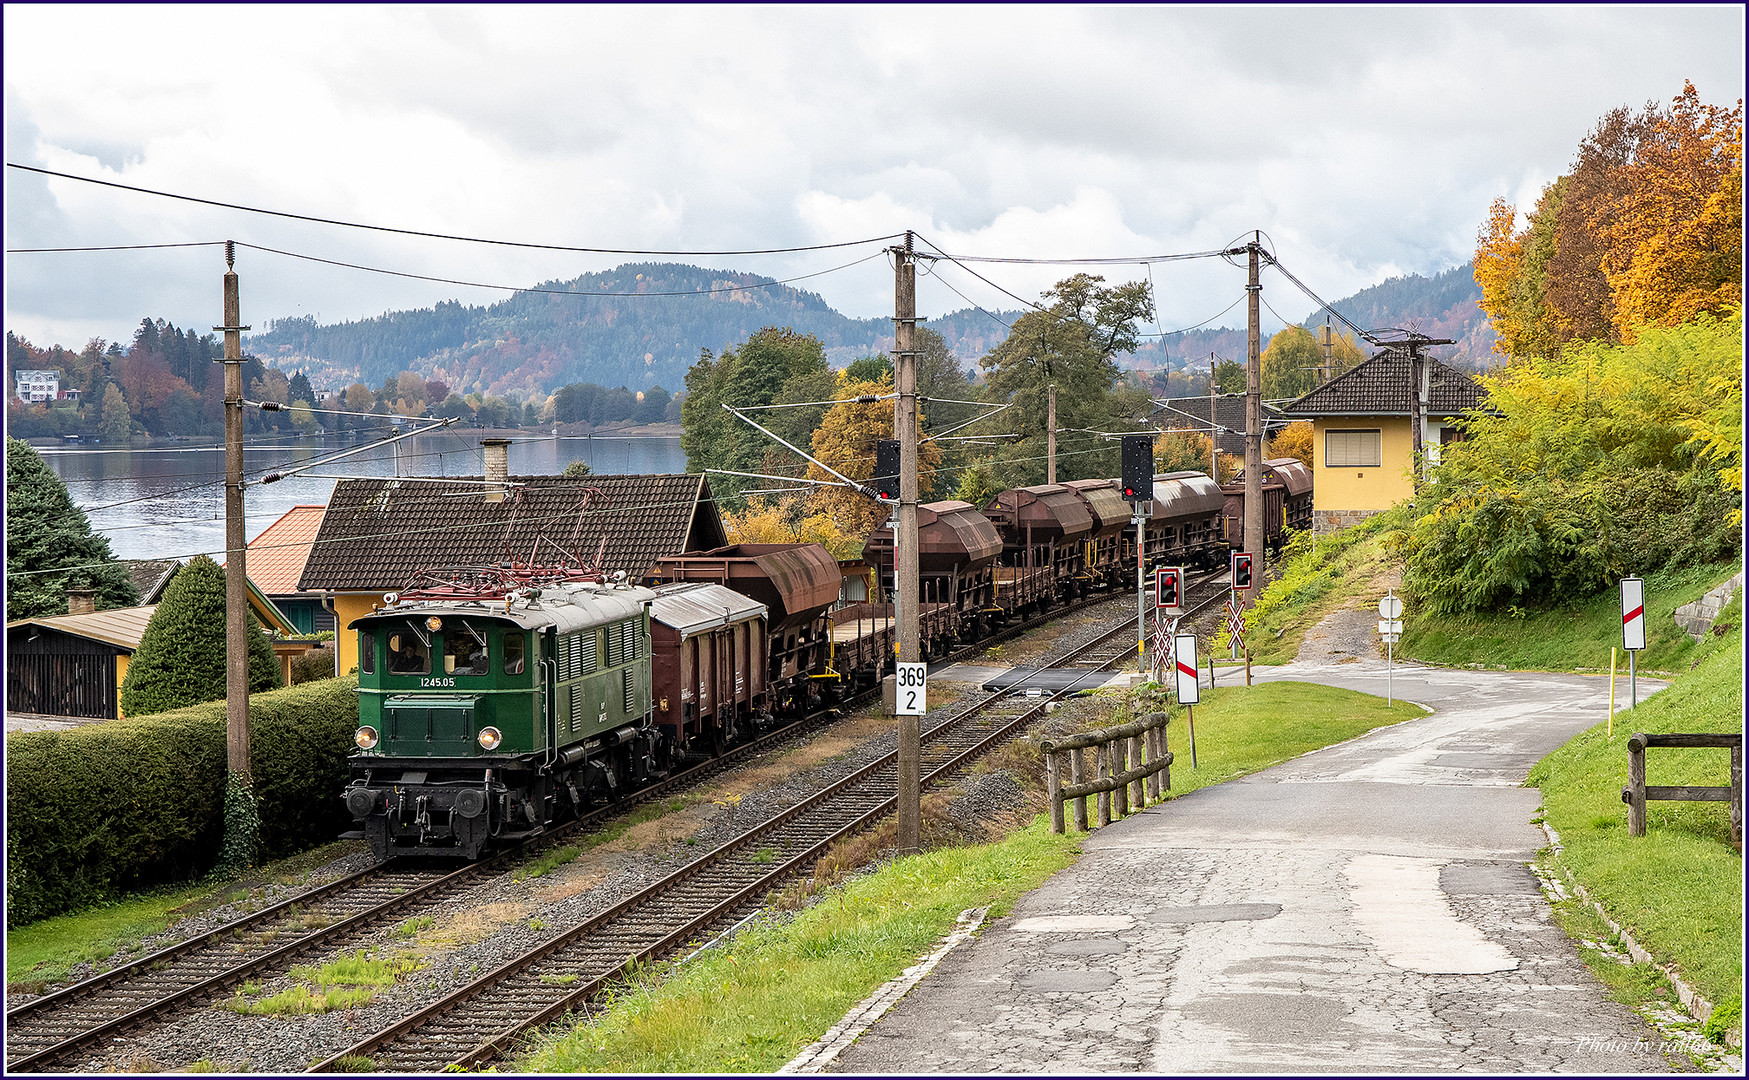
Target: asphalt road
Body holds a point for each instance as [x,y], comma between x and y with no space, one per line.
[1367,907]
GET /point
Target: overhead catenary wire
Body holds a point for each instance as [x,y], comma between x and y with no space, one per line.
[427,234]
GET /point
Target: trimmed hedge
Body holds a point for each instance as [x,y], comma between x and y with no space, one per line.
[104,808]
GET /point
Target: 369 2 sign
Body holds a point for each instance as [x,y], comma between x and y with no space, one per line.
[911,689]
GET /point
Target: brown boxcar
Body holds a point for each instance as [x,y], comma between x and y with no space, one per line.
[1287,504]
[709,667]
[798,584]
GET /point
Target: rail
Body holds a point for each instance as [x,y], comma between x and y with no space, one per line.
[1638,792]
[1132,760]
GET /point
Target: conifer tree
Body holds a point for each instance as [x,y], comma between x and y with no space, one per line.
[46,532]
[181,658]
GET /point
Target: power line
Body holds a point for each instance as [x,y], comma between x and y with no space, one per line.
[552,292]
[114,247]
[436,235]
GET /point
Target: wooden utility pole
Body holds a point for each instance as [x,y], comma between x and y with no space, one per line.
[241,819]
[1051,434]
[1214,428]
[905,563]
[1253,422]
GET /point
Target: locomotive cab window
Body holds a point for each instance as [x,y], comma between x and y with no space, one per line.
[367,652]
[408,655]
[513,654]
[464,652]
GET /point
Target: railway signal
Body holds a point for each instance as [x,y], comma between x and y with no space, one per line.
[1241,570]
[886,474]
[1138,467]
[1167,582]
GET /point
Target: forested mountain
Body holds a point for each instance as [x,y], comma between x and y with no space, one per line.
[555,334]
[529,345]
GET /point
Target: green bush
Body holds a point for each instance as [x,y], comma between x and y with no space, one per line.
[103,808]
[181,658]
[1606,460]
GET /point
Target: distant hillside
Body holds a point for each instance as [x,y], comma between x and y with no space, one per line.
[1446,305]
[535,342]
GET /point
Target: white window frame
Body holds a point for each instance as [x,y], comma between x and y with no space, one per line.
[1353,455]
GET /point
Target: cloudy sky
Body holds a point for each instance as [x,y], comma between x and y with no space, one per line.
[1364,142]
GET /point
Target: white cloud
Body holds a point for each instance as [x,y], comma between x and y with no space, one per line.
[1365,141]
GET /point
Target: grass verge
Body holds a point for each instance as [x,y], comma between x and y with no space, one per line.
[1578,638]
[1346,569]
[46,951]
[1679,889]
[751,1004]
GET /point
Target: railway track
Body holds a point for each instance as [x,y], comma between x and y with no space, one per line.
[52,1030]
[477,1023]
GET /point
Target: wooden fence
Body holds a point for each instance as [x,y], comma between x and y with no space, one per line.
[1637,793]
[1133,766]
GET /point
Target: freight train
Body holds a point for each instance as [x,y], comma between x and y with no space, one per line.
[497,701]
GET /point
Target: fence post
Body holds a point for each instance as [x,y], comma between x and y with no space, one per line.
[1077,777]
[1054,784]
[1120,795]
[1165,756]
[1102,760]
[1151,739]
[1635,793]
[1138,795]
[1737,793]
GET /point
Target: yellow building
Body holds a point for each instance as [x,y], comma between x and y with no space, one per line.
[1362,442]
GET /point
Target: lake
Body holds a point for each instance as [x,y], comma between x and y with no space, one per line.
[168,502]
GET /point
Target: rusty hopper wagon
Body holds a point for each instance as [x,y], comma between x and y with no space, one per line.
[1102,550]
[797,583]
[1287,504]
[957,549]
[1185,526]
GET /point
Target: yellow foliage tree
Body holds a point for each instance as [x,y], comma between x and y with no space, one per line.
[1177,451]
[846,441]
[1294,441]
[785,521]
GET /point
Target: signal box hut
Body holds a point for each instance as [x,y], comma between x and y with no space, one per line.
[377,534]
[1361,433]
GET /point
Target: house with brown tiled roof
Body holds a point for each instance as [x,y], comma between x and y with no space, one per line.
[276,561]
[377,534]
[1362,438]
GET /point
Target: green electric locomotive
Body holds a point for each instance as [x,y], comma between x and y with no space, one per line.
[494,702]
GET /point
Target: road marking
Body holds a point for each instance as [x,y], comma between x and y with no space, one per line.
[1398,903]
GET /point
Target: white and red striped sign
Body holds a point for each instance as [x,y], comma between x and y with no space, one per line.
[1633,612]
[1235,626]
[1184,663]
[1164,627]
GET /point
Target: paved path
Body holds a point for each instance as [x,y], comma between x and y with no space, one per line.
[1367,907]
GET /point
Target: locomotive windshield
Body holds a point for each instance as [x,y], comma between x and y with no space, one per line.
[464,651]
[408,654]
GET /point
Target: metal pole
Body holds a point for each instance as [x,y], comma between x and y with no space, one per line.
[1611,733]
[1633,680]
[1387,671]
[905,562]
[240,814]
[1253,538]
[1141,590]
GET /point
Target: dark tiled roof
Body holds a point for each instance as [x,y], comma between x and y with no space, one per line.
[378,533]
[151,576]
[1229,413]
[1380,387]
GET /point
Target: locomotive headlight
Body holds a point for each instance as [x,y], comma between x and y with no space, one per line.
[490,737]
[366,737]
[434,624]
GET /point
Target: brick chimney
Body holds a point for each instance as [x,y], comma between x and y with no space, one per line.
[81,601]
[497,453]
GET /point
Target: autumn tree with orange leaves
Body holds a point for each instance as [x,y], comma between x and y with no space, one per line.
[846,441]
[1645,230]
